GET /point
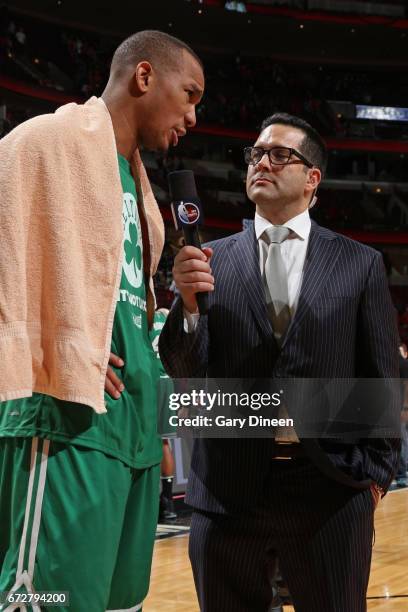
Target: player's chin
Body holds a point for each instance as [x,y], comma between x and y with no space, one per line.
[163,148]
[160,144]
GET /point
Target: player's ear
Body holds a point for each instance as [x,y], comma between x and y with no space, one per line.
[143,76]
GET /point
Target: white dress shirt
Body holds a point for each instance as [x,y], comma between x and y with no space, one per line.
[293,251]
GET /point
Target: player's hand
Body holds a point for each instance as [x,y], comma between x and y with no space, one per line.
[192,274]
[113,385]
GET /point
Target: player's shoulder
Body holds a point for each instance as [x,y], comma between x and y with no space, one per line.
[44,130]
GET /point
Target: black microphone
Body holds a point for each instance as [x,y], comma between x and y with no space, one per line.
[187,215]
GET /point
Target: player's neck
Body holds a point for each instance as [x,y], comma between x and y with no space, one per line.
[125,135]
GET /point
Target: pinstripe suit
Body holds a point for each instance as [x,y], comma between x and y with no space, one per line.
[344,327]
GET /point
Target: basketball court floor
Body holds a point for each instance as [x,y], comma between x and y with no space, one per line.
[172,586]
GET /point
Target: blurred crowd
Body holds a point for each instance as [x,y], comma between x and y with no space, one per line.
[259,86]
[240,91]
[326,5]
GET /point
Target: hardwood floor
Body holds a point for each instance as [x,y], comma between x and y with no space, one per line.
[172,587]
[389,570]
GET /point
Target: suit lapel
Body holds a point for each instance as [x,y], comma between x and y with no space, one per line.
[322,253]
[244,258]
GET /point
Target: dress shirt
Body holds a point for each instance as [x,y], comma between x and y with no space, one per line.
[293,251]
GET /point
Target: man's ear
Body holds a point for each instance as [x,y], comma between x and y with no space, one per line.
[314,178]
[143,76]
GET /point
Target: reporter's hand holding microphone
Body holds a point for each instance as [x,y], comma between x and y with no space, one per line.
[192,270]
[192,275]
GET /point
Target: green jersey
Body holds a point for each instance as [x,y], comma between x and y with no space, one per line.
[165,387]
[158,324]
[128,431]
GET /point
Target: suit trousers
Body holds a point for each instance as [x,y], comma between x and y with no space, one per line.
[320,531]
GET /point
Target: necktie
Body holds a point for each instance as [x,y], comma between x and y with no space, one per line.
[276,280]
[277,298]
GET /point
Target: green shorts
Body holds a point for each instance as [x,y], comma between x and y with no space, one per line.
[75,520]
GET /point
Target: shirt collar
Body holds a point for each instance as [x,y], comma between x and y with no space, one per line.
[300,225]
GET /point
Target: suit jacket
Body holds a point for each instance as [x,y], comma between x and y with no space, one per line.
[344,327]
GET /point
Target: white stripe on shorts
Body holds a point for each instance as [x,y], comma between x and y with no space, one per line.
[24,577]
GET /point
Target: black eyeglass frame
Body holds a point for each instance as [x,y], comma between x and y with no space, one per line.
[302,158]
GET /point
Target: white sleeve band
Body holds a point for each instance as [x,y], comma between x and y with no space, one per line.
[190,321]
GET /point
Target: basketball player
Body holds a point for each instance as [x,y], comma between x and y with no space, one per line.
[79,488]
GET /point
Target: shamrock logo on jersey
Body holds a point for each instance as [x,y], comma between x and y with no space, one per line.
[132,246]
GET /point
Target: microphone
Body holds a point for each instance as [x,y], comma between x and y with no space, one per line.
[187,215]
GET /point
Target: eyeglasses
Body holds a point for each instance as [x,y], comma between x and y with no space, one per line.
[279,156]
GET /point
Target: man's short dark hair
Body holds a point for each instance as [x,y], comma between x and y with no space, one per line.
[160,49]
[313,146]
